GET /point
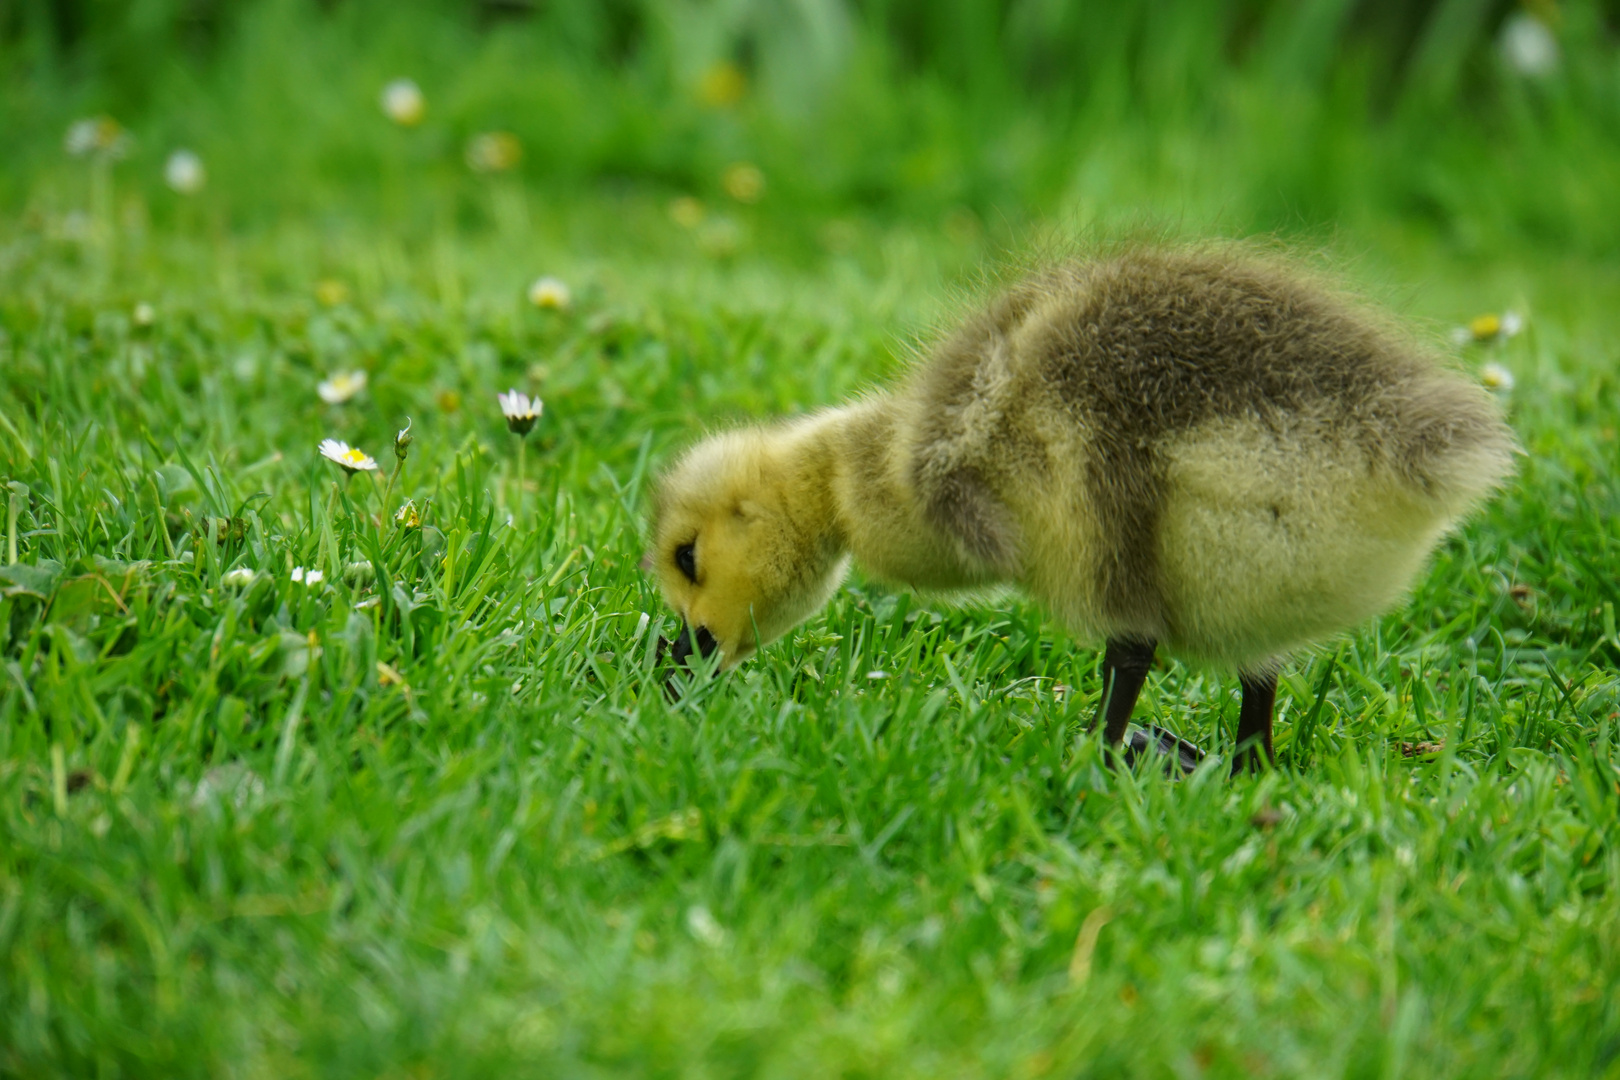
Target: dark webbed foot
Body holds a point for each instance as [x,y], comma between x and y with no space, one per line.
[1154,739]
[1254,723]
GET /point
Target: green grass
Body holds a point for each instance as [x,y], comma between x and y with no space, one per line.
[433,815]
[231,846]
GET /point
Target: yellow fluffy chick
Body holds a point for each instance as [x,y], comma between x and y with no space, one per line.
[1200,448]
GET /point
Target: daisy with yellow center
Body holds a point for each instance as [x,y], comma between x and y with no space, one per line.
[494,151]
[96,136]
[351,459]
[1496,377]
[403,103]
[550,293]
[744,182]
[341,387]
[1489,327]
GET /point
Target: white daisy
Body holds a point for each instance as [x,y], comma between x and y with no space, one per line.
[704,926]
[493,151]
[351,458]
[550,292]
[1528,46]
[520,410]
[307,577]
[341,387]
[1489,327]
[82,137]
[403,103]
[1496,377]
[96,135]
[242,575]
[184,172]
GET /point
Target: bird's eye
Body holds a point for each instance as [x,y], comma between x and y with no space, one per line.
[687,561]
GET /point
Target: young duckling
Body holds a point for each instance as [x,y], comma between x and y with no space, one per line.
[1199,448]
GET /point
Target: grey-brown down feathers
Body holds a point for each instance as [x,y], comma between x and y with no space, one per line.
[1141,348]
[1200,447]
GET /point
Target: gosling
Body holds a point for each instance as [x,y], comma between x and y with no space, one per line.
[1202,448]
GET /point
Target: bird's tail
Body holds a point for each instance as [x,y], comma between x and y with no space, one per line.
[1451,441]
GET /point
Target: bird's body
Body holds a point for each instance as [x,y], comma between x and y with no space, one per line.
[1197,448]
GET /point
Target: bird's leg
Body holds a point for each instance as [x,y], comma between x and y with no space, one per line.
[1125,668]
[1254,722]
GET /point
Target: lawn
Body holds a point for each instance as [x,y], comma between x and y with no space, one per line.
[304,773]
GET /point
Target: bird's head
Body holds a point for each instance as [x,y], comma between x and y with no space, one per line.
[742,547]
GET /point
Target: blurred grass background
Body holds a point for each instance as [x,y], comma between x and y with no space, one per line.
[1244,115]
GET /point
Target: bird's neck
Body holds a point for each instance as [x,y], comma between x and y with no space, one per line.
[857,462]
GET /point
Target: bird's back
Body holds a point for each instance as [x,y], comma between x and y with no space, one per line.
[1148,344]
[1153,353]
